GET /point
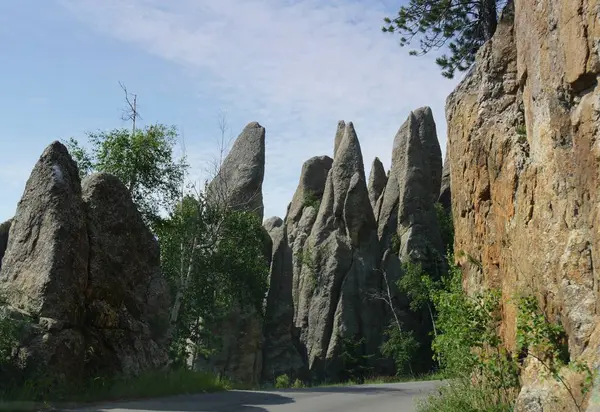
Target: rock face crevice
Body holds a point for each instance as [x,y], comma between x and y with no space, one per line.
[524,161]
[84,269]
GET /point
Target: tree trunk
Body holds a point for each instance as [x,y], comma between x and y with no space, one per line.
[489,18]
[184,283]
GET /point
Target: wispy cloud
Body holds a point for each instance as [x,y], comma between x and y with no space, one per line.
[295,66]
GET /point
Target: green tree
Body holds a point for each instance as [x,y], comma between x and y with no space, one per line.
[464,24]
[213,258]
[143,161]
[418,286]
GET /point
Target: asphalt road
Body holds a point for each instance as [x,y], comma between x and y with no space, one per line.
[397,397]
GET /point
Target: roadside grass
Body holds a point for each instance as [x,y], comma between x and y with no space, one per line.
[282,382]
[34,395]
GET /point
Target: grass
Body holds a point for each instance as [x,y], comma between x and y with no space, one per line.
[148,385]
[374,380]
[461,395]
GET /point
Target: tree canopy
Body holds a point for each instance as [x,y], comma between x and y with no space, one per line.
[464,25]
[143,161]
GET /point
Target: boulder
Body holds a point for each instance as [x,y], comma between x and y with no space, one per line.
[127,299]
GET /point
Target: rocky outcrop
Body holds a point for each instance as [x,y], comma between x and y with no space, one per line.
[407,225]
[238,186]
[84,270]
[238,183]
[523,132]
[335,266]
[4,229]
[280,354]
[377,182]
[127,316]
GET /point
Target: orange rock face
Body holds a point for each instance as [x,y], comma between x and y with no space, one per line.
[524,154]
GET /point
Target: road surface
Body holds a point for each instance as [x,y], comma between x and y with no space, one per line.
[396,397]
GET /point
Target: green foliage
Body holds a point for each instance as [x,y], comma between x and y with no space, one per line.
[547,342]
[461,395]
[282,382]
[416,284]
[213,259]
[467,346]
[401,346]
[395,243]
[144,163]
[11,330]
[306,258]
[355,363]
[310,199]
[446,225]
[521,133]
[466,25]
[298,384]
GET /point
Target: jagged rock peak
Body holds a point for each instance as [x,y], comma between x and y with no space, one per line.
[377,181]
[429,140]
[347,161]
[272,223]
[45,266]
[311,185]
[238,184]
[339,134]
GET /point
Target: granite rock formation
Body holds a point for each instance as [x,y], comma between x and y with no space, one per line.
[238,183]
[68,255]
[524,155]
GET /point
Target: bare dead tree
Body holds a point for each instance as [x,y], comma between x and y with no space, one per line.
[130,113]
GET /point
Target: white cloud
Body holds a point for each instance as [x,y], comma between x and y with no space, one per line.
[295,66]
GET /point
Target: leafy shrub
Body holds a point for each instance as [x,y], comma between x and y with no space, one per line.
[401,346]
[298,384]
[446,225]
[355,363]
[484,375]
[282,381]
[310,199]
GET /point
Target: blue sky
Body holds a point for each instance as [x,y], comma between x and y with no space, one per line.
[295,66]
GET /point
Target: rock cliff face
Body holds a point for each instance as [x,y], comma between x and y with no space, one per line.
[280,353]
[524,154]
[238,186]
[84,269]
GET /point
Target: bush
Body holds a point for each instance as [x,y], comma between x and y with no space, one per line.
[298,384]
[484,375]
[282,382]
